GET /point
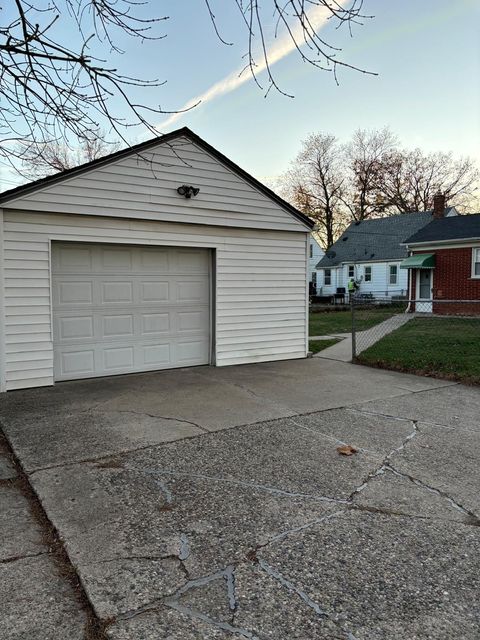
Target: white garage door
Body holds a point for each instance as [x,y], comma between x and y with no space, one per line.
[120,309]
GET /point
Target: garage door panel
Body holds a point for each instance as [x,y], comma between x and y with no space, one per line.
[154,291]
[155,323]
[73,293]
[76,327]
[158,355]
[116,319]
[71,259]
[154,259]
[74,363]
[191,350]
[117,325]
[116,258]
[117,292]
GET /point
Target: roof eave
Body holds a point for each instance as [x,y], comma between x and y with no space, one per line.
[447,241]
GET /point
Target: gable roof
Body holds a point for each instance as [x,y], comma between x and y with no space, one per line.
[442,229]
[31,187]
[376,240]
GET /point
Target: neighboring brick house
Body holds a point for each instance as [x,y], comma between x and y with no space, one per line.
[371,252]
[444,264]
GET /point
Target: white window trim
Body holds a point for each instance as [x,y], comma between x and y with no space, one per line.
[474,251]
[350,266]
[390,275]
[329,284]
[368,266]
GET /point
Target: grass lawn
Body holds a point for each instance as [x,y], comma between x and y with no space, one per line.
[319,345]
[327,322]
[442,347]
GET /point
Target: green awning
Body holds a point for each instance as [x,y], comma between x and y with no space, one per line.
[419,261]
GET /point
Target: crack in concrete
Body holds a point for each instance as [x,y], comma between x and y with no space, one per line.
[26,556]
[227,574]
[154,415]
[329,436]
[243,483]
[300,528]
[473,518]
[224,626]
[276,575]
[184,550]
[386,466]
[405,419]
[265,401]
[385,463]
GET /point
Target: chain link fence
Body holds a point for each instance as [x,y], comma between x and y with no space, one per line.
[440,338]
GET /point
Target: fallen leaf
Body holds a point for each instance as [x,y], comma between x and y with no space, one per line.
[346,450]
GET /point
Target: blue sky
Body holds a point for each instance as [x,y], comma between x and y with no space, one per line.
[426,54]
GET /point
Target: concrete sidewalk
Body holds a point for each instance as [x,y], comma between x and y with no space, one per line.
[342,351]
[212,503]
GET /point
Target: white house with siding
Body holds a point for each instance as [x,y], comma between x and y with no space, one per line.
[371,252]
[315,254]
[109,268]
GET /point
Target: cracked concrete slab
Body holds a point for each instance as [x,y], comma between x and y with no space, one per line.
[372,433]
[278,455]
[102,433]
[180,528]
[118,587]
[396,494]
[130,412]
[120,529]
[385,576]
[454,406]
[447,460]
[21,534]
[275,610]
[37,602]
[164,623]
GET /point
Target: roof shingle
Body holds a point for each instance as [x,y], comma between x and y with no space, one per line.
[456,228]
[375,240]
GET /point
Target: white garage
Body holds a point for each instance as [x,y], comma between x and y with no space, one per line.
[159,256]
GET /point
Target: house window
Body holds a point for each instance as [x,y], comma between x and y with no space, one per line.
[393,277]
[476,263]
[311,250]
[368,274]
[327,277]
[351,271]
[314,278]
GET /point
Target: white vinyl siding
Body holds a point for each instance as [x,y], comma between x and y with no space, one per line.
[145,186]
[260,288]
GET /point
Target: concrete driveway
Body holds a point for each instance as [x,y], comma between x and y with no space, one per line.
[212,504]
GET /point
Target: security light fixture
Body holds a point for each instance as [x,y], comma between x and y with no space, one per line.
[188,191]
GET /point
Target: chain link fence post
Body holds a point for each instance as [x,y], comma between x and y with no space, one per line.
[354,336]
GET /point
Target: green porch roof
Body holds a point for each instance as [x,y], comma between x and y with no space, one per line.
[419,261]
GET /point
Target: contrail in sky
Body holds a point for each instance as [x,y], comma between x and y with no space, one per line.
[317,17]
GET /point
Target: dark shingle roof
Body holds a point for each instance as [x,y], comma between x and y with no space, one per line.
[457,228]
[378,239]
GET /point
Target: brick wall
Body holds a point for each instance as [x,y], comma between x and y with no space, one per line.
[452,280]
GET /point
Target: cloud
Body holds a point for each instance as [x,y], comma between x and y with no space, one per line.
[281,48]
